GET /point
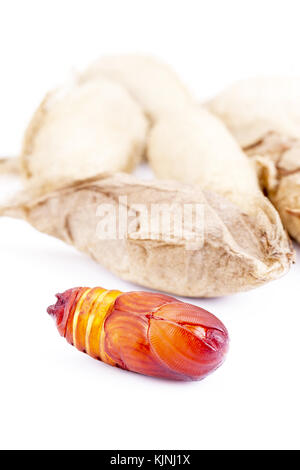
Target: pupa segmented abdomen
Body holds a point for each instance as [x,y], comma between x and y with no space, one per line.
[148,333]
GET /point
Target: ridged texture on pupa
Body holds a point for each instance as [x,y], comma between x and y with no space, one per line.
[231,251]
[152,83]
[263,114]
[81,130]
[148,333]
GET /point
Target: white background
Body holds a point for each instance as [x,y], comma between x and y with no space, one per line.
[52,396]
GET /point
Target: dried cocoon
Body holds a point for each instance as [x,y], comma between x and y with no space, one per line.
[81,130]
[225,251]
[263,114]
[152,83]
[194,146]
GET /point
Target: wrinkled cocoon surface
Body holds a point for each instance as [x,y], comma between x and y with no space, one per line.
[99,124]
[154,85]
[194,146]
[240,251]
[81,130]
[263,114]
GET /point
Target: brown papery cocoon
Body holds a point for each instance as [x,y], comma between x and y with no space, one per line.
[263,114]
[234,251]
